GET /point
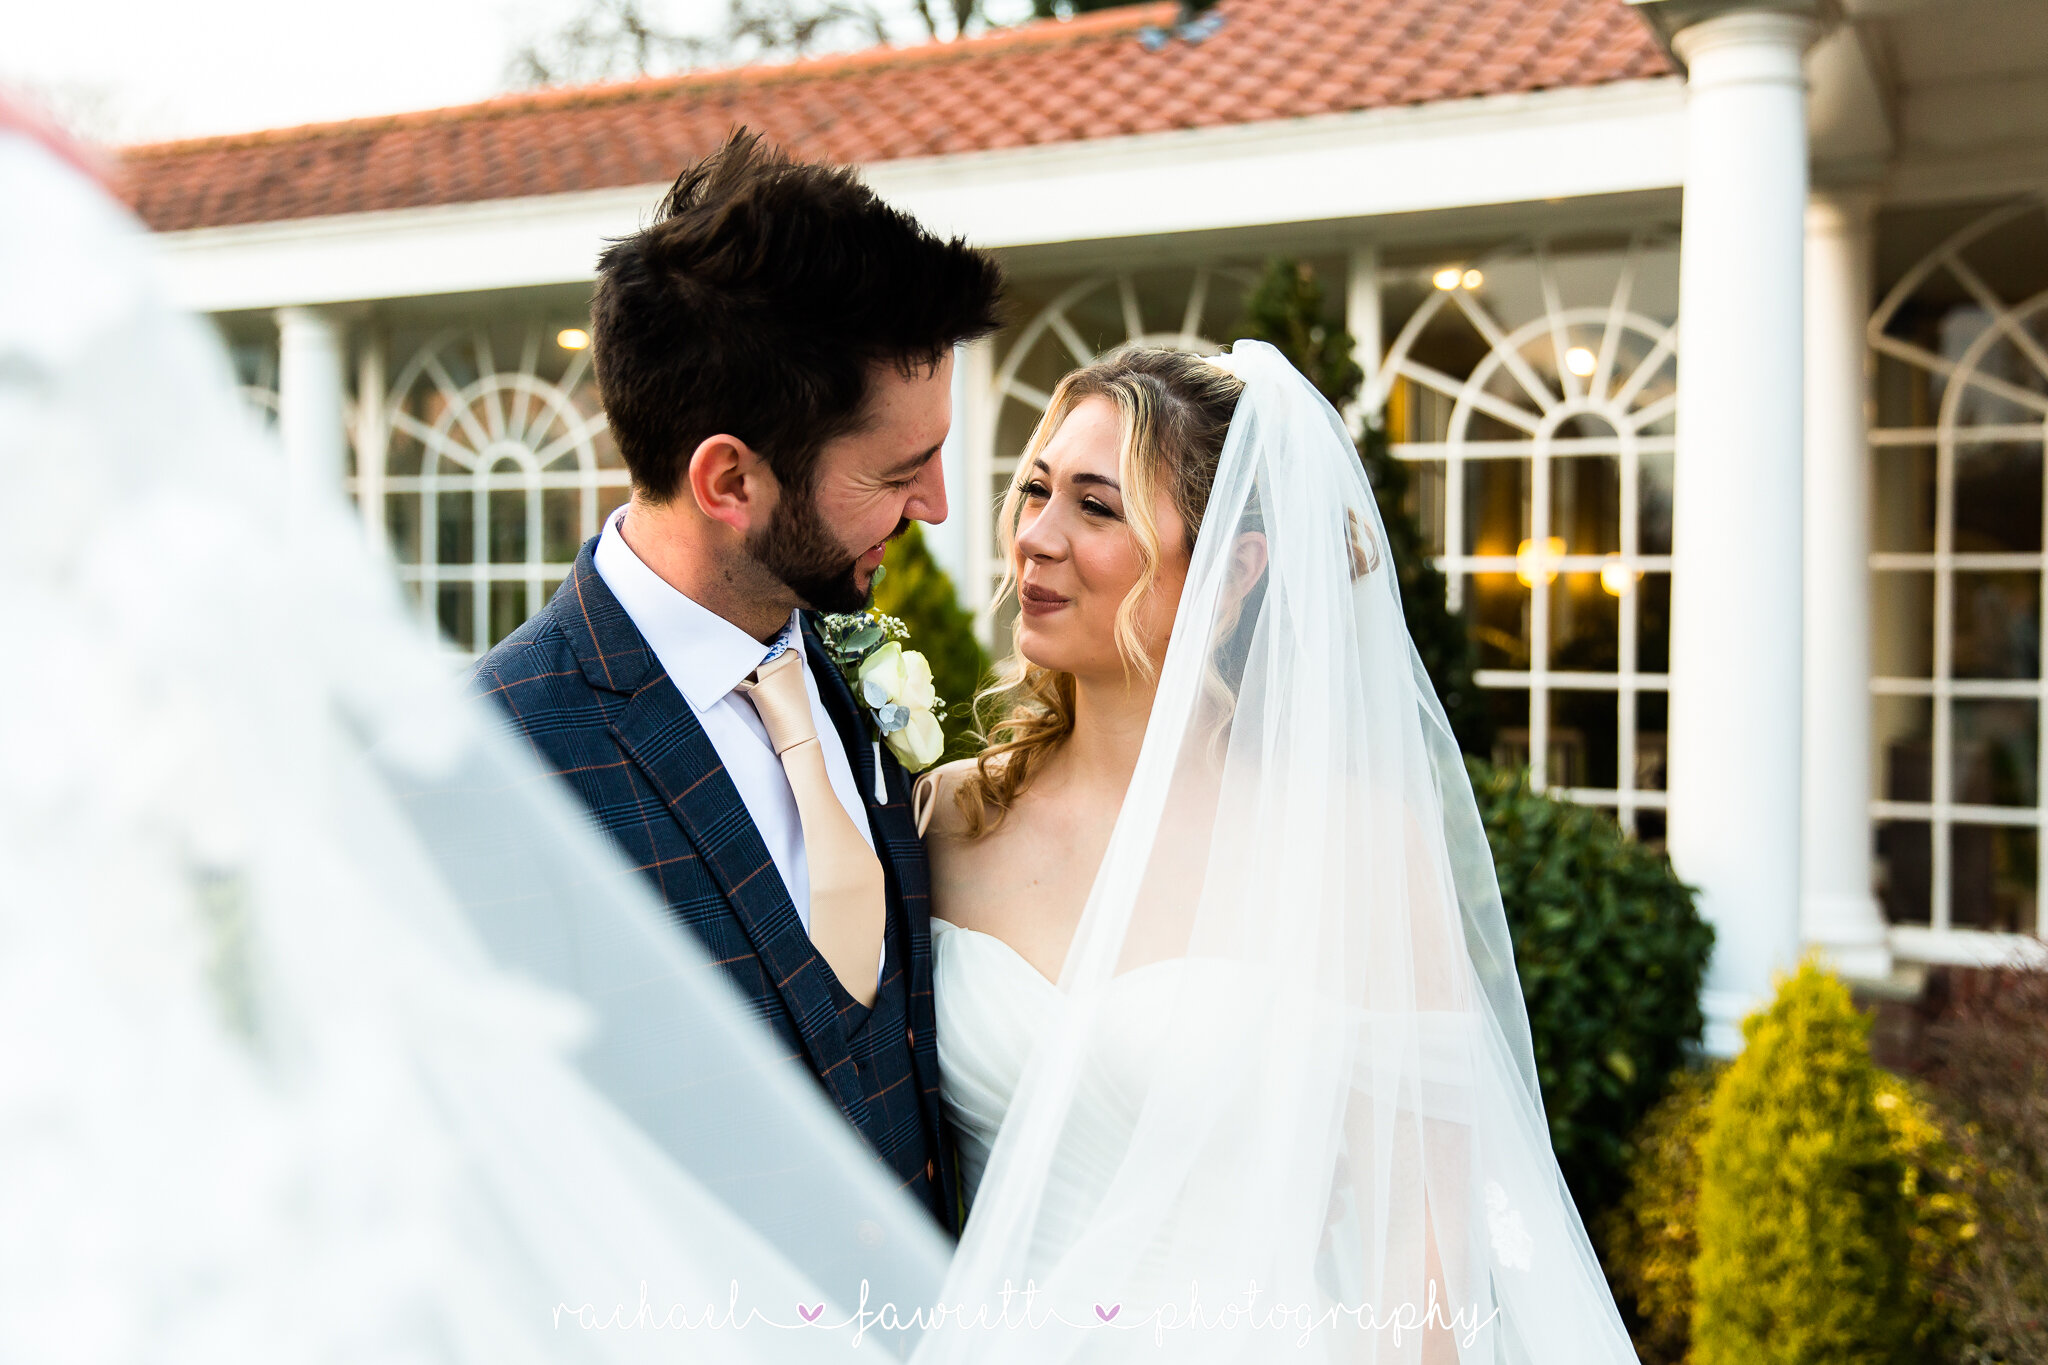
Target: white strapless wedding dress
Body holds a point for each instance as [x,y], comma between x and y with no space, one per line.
[993,1008]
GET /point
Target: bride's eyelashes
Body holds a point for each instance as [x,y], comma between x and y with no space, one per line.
[1034,491]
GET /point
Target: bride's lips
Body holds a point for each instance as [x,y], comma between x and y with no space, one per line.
[1037,601]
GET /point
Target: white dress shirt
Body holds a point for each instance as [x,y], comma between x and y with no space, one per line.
[706,657]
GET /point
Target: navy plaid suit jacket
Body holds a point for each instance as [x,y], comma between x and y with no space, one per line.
[582,685]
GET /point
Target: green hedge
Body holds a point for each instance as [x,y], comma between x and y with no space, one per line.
[1611,951]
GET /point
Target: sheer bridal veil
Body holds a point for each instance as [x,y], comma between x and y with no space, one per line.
[1331,1103]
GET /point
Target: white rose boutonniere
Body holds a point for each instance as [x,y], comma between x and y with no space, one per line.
[894,684]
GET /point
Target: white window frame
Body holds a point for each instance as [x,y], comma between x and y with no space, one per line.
[1939,939]
[1604,394]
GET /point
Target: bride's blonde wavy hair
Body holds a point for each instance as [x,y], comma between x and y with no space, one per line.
[1173,412]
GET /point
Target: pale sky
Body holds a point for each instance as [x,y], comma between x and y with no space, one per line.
[143,70]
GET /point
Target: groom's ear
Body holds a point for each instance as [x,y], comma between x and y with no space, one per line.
[730,482]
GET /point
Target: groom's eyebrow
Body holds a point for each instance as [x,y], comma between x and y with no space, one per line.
[913,464]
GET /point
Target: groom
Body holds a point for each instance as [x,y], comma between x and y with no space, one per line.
[775,357]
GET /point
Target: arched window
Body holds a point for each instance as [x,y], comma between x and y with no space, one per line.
[1536,390]
[493,474]
[1960,344]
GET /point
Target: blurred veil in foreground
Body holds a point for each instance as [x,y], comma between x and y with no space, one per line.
[335,1032]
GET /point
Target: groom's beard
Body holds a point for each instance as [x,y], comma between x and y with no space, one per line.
[804,555]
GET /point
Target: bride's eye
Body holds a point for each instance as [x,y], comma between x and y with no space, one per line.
[1034,491]
[1097,509]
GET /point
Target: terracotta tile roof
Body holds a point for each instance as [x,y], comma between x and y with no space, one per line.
[1045,82]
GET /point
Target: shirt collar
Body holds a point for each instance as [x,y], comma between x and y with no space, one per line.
[706,656]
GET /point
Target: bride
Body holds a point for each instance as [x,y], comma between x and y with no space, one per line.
[1228,1019]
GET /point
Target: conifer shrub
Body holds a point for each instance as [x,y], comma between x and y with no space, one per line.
[1805,1223]
[916,591]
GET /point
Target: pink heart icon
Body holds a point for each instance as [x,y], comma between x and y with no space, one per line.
[809,1314]
[1110,1312]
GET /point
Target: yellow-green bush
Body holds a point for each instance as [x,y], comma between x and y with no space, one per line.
[1805,1224]
[1649,1240]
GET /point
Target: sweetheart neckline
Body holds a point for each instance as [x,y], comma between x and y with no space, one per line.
[1001,943]
[1026,962]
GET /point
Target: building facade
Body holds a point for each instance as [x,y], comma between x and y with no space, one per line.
[1717,333]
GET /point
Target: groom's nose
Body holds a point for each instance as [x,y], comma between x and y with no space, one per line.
[928,494]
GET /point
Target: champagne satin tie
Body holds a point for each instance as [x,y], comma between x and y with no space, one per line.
[848,901]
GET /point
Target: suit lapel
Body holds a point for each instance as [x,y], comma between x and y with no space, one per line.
[662,735]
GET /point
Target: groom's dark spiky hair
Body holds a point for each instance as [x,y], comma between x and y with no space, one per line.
[757,305]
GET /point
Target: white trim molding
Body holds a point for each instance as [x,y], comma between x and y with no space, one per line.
[1455,154]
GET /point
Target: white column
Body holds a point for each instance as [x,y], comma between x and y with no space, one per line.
[372,438]
[1841,914]
[977,362]
[948,540]
[1736,607]
[311,399]
[1362,320]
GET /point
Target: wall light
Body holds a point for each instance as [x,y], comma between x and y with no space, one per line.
[1473,279]
[1447,278]
[1580,361]
[572,338]
[1616,577]
[1533,562]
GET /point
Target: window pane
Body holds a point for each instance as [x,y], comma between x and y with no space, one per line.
[455,610]
[1425,501]
[609,500]
[455,529]
[1498,606]
[1997,625]
[1585,503]
[1653,710]
[1650,827]
[1993,878]
[1902,624]
[1584,739]
[1653,495]
[1903,501]
[508,609]
[1509,708]
[1905,740]
[1906,861]
[402,526]
[508,526]
[1585,624]
[1997,753]
[1653,623]
[1998,498]
[1496,506]
[560,524]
